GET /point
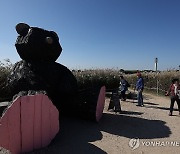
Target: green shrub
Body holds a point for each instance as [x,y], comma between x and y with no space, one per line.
[5,69]
[98,77]
[108,77]
[163,78]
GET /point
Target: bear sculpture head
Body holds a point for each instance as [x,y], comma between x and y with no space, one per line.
[37,44]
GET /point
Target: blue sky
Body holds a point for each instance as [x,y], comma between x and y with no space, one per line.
[126,34]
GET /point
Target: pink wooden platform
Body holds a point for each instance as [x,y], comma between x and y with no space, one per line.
[31,122]
[100,103]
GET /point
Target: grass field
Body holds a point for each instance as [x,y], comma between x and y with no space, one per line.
[109,77]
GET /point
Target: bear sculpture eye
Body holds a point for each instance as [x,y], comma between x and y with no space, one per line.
[49,40]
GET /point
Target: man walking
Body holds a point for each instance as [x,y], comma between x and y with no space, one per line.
[139,88]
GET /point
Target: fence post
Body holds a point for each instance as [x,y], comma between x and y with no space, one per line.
[157,85]
[157,82]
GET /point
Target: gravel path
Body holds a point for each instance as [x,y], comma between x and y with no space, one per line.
[148,129]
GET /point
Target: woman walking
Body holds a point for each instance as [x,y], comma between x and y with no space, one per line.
[174,92]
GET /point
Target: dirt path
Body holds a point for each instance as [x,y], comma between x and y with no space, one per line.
[156,131]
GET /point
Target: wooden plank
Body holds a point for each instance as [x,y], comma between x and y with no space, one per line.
[100,103]
[4,131]
[14,127]
[30,123]
[46,128]
[37,122]
[54,119]
[27,123]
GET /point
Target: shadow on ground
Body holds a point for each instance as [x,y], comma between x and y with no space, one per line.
[75,134]
[135,101]
[73,137]
[131,112]
[149,103]
[161,108]
[131,127]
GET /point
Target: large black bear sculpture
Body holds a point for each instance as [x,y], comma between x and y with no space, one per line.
[38,71]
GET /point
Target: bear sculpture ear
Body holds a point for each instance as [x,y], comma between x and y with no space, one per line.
[55,34]
[22,28]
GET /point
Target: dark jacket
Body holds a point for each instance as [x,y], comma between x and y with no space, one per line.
[171,90]
[123,85]
[140,84]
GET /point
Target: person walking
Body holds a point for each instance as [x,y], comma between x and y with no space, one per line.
[123,87]
[139,87]
[174,92]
